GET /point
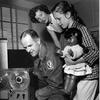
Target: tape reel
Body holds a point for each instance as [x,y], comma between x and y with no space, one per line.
[19,79]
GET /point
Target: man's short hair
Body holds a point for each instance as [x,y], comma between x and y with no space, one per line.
[30,32]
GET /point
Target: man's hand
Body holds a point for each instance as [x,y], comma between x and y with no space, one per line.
[37,74]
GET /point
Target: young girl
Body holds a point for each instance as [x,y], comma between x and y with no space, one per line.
[74,50]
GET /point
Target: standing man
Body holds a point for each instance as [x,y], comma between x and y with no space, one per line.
[41,14]
[66,17]
[47,65]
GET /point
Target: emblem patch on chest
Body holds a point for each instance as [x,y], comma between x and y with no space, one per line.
[50,65]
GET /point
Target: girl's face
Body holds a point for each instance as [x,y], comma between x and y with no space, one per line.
[42,17]
[62,20]
[72,40]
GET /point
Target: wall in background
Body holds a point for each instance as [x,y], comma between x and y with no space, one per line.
[88,10]
[14,17]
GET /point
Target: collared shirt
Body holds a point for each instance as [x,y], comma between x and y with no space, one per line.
[93,55]
[49,65]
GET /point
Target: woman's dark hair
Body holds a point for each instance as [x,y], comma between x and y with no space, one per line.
[64,7]
[32,12]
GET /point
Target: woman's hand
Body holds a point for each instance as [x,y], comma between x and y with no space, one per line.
[69,61]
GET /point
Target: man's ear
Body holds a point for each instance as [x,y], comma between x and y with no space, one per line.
[68,15]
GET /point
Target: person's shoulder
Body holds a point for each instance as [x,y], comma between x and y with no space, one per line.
[50,28]
[80,26]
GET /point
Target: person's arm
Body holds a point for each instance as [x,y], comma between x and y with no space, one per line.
[35,69]
[55,73]
[69,61]
[93,53]
[88,42]
[54,37]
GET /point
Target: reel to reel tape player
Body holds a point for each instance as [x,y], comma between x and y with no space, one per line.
[19,80]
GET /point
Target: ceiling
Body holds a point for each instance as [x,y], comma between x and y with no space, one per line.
[31,3]
[50,2]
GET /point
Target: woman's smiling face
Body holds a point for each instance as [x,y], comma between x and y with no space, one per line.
[41,16]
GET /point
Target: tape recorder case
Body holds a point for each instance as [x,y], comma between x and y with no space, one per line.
[16,82]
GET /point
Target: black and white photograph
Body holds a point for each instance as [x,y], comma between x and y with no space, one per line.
[49,50]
